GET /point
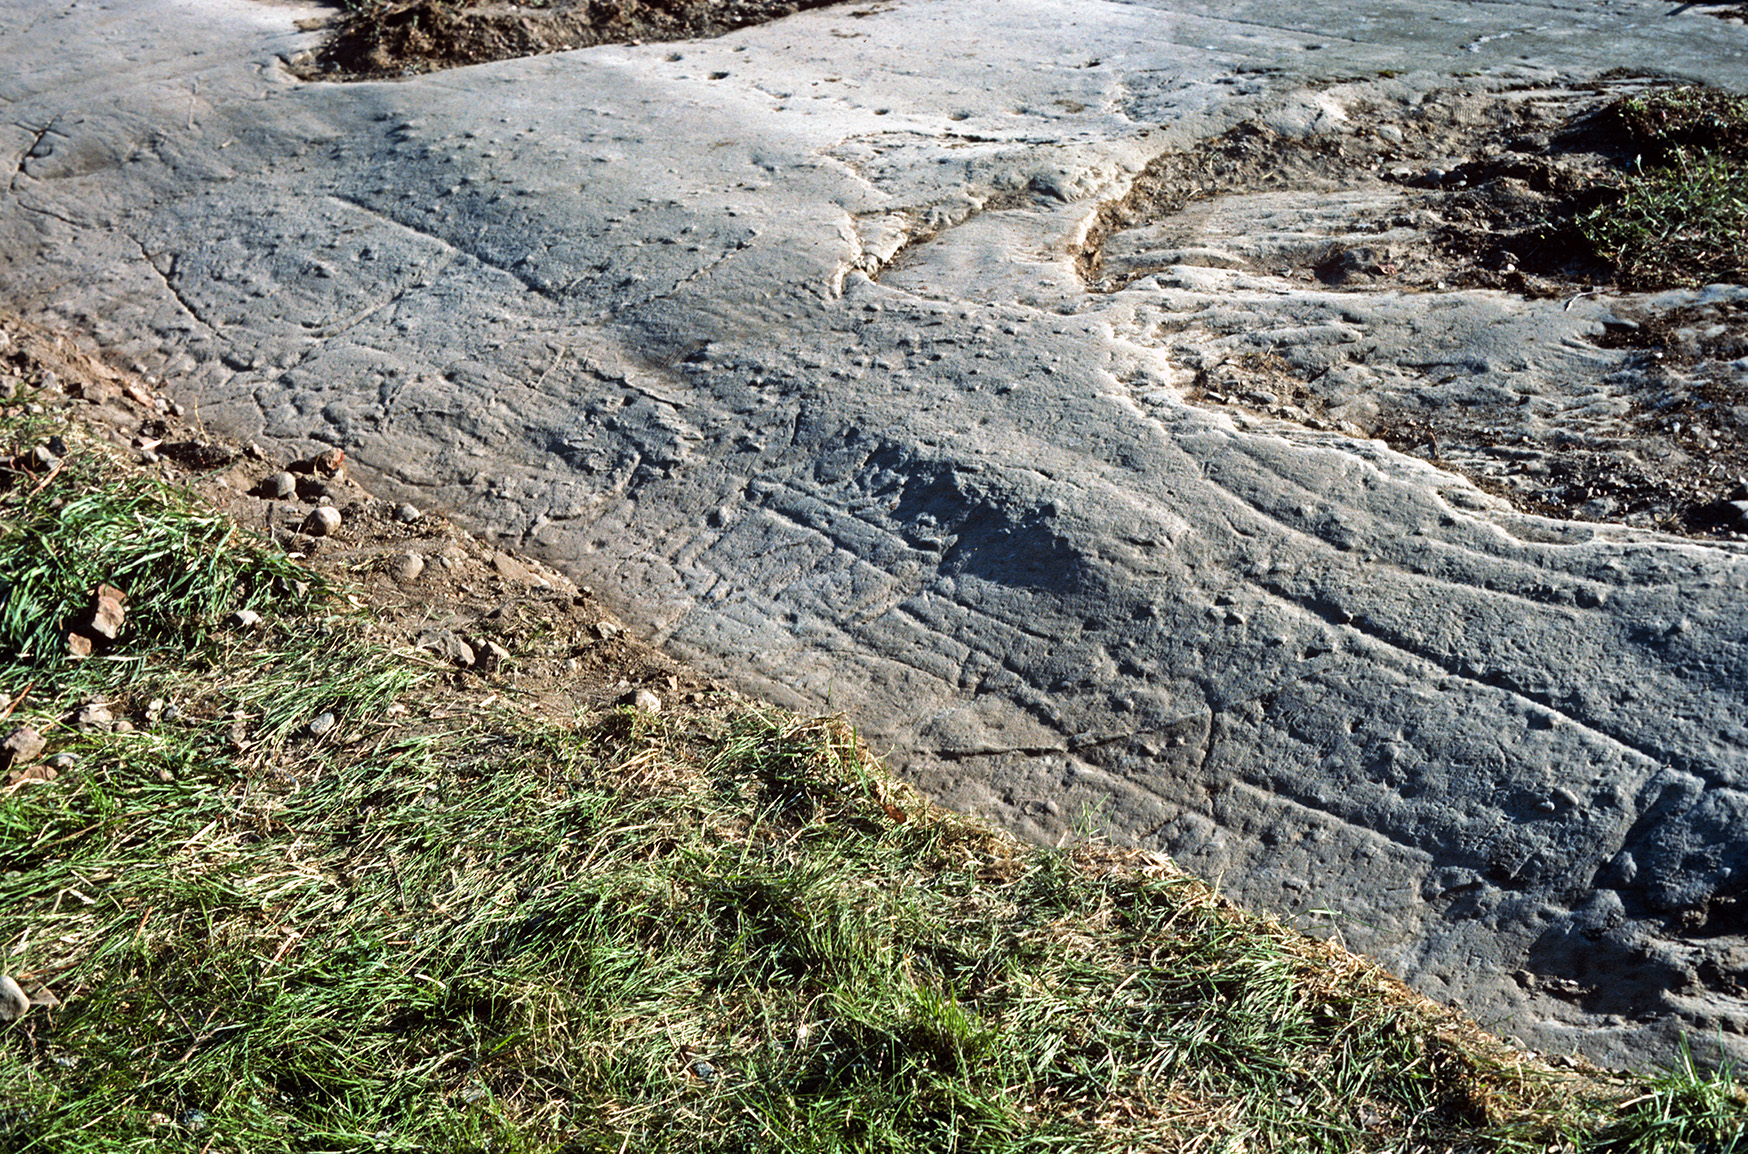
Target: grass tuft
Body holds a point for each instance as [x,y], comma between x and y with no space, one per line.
[1663,122]
[1679,217]
[1684,1110]
[84,523]
[1689,214]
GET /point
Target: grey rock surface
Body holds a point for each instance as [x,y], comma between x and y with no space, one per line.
[778,342]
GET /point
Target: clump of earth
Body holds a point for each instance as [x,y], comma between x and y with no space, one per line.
[377,38]
[1459,190]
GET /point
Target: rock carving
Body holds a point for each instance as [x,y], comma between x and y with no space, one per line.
[783,341]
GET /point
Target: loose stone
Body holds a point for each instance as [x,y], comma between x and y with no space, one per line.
[246,618]
[322,521]
[277,486]
[14,1003]
[322,724]
[406,514]
[108,612]
[408,566]
[23,744]
[94,715]
[508,566]
[447,645]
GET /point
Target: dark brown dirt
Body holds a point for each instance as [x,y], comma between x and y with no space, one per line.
[1492,185]
[379,38]
[1732,10]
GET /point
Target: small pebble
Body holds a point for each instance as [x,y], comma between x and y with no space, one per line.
[321,724]
[331,463]
[62,761]
[93,716]
[277,486]
[23,744]
[406,514]
[322,521]
[408,566]
[646,702]
[448,646]
[246,618]
[14,1003]
[108,612]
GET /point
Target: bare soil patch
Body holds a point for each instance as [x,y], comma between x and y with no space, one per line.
[1462,189]
[379,38]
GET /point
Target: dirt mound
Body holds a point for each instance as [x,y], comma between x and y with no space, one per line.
[377,38]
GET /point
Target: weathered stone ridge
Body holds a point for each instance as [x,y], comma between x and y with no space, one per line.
[779,340]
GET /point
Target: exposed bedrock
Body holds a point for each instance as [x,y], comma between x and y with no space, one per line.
[778,341]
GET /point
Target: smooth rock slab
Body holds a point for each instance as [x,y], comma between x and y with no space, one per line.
[796,365]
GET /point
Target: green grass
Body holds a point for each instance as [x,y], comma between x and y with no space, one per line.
[473,928]
[183,568]
[1680,216]
[1682,223]
[1663,122]
[1686,1109]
